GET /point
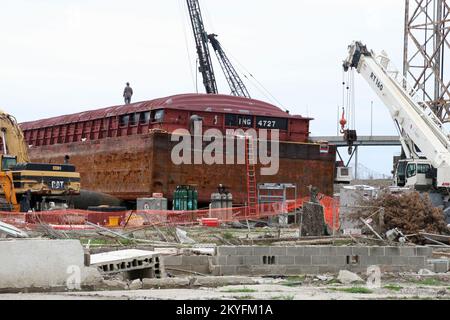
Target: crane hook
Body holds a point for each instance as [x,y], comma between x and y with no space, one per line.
[343,122]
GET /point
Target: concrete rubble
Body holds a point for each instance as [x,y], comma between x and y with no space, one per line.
[36,263]
[347,277]
[234,259]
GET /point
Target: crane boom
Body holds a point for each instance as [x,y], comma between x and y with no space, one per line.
[237,86]
[201,43]
[419,125]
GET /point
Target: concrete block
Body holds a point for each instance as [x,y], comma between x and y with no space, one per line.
[285,260]
[227,270]
[226,251]
[278,251]
[376,251]
[293,270]
[392,251]
[439,265]
[408,251]
[172,260]
[40,263]
[327,251]
[343,251]
[416,261]
[244,251]
[243,270]
[235,260]
[261,251]
[268,270]
[319,260]
[303,260]
[219,260]
[294,251]
[195,260]
[252,260]
[424,251]
[384,260]
[360,251]
[201,269]
[125,260]
[311,251]
[215,271]
[367,260]
[329,269]
[309,269]
[336,261]
[399,261]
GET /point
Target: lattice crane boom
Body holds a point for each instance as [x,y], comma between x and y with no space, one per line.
[201,42]
[237,86]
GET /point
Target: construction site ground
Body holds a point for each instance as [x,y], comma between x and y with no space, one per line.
[396,286]
[393,286]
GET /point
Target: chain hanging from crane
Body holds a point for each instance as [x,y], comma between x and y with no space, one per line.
[348,101]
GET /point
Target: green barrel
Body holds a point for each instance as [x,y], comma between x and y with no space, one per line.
[190,198]
[175,202]
[183,198]
[195,200]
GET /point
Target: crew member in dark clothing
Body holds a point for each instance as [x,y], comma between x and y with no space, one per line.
[127,93]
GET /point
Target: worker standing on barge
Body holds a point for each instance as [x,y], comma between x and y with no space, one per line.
[127,93]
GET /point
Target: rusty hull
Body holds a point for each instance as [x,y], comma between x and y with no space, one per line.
[136,166]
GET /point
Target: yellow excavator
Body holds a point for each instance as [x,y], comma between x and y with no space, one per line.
[26,186]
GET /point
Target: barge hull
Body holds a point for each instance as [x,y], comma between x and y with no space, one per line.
[132,167]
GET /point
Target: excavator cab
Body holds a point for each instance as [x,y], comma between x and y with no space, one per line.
[8,162]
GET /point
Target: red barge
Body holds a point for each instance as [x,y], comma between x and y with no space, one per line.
[125,150]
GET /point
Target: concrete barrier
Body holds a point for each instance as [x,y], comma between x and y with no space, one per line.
[35,263]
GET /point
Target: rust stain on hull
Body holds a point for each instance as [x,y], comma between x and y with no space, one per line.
[135,166]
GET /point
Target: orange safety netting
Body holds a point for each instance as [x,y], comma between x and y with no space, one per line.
[76,219]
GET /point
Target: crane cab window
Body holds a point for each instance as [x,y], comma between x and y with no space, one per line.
[8,163]
[411,170]
[423,168]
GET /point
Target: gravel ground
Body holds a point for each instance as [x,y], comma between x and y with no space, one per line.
[283,290]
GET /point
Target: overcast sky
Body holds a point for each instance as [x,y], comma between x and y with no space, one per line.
[60,56]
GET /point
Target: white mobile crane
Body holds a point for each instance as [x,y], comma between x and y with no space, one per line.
[422,135]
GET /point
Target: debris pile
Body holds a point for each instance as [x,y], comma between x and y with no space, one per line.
[410,212]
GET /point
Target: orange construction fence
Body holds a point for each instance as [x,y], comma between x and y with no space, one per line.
[75,219]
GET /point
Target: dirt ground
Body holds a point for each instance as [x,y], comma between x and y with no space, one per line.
[291,288]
